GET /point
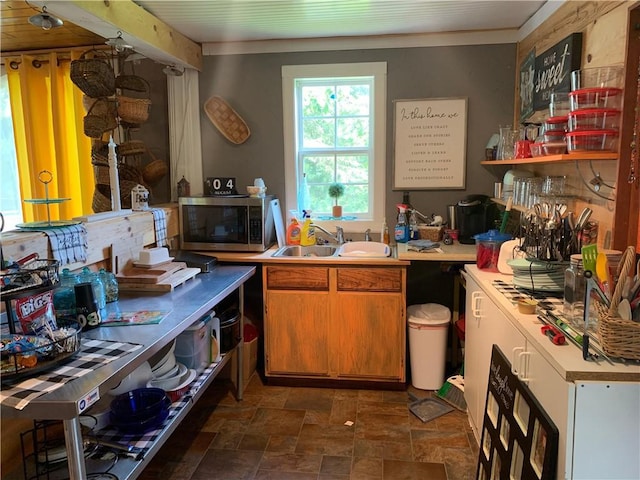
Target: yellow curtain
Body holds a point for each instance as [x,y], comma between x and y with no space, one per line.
[47,113]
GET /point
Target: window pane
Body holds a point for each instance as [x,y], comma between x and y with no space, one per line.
[319,168]
[320,200]
[353,100]
[318,101]
[353,132]
[355,199]
[352,169]
[10,203]
[318,133]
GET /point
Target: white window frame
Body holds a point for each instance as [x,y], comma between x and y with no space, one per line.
[378,163]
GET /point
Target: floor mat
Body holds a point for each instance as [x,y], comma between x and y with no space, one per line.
[429,408]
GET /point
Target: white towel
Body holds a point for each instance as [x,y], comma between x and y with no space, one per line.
[68,244]
[160,223]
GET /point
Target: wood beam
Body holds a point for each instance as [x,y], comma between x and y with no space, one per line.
[147,34]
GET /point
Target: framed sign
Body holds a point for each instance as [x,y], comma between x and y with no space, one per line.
[430,144]
[527,76]
[553,69]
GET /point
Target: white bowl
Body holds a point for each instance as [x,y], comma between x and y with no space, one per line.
[165,367]
[171,373]
[161,356]
[165,383]
[136,379]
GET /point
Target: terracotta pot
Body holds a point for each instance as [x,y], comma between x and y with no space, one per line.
[337,211]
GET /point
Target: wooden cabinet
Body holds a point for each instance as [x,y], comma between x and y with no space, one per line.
[594,407]
[342,322]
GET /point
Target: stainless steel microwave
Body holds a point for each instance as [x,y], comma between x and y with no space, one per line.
[226,223]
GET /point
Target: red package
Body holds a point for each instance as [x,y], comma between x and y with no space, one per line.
[36,313]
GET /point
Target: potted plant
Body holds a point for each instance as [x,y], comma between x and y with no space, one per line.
[336,190]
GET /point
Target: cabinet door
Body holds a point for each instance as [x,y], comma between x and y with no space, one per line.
[485,325]
[369,331]
[556,396]
[296,332]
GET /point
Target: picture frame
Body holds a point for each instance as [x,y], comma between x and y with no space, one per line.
[430,143]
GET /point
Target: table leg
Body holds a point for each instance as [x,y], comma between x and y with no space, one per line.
[240,348]
[75,448]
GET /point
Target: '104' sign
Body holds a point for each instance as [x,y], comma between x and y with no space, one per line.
[553,69]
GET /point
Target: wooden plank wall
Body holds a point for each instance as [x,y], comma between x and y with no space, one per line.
[604,28]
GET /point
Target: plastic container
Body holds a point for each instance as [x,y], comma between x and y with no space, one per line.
[488,249]
[554,136]
[592,141]
[536,149]
[558,124]
[559,104]
[554,148]
[596,98]
[594,119]
[307,233]
[193,346]
[612,76]
[428,326]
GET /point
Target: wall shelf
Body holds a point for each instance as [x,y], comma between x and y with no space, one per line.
[555,158]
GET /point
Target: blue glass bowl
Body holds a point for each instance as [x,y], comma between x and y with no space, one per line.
[139,405]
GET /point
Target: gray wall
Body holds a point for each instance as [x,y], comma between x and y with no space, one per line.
[485,74]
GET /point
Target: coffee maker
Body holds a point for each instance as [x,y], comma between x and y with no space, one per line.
[474,214]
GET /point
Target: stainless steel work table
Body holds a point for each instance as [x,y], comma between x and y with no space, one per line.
[186,304]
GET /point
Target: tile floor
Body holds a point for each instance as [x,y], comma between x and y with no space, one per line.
[288,433]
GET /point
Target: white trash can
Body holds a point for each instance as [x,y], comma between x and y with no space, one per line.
[428,325]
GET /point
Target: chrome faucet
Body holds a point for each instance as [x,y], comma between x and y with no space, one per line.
[367,235]
[338,237]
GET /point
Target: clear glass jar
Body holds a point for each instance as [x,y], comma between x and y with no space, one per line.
[110,284]
[574,292]
[64,297]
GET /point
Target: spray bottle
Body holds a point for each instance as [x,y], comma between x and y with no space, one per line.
[401,231]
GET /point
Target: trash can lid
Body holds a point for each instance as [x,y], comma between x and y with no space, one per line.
[429,314]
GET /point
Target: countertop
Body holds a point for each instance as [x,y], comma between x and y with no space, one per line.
[566,359]
[185,304]
[447,253]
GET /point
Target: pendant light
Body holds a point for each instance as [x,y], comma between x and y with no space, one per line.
[45,20]
[173,71]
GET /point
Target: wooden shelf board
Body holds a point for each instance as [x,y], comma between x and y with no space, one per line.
[554,158]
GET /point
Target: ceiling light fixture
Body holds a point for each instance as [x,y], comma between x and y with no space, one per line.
[45,20]
[173,71]
[119,44]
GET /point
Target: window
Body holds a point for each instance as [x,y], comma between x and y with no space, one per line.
[334,131]
[10,202]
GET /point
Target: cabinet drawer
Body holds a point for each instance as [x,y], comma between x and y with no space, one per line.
[298,278]
[370,279]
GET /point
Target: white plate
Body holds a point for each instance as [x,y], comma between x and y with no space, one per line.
[165,367]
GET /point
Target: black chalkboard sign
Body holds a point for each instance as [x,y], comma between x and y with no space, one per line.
[527,77]
[553,69]
[518,440]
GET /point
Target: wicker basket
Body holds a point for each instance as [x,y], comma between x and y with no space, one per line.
[155,170]
[100,118]
[428,232]
[131,148]
[133,83]
[125,172]
[619,337]
[102,196]
[94,76]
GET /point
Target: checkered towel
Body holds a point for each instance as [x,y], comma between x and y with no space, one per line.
[546,300]
[68,244]
[93,354]
[160,223]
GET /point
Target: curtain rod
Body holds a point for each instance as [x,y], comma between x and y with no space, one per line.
[46,51]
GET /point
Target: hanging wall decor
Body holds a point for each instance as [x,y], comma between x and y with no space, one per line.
[430,137]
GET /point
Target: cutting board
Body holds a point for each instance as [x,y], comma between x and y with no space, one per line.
[149,275]
[166,285]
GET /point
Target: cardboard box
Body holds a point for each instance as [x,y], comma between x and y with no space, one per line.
[250,358]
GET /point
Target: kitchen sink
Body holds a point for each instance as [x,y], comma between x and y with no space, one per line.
[307,251]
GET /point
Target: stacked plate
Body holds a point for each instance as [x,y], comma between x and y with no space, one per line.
[538,275]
